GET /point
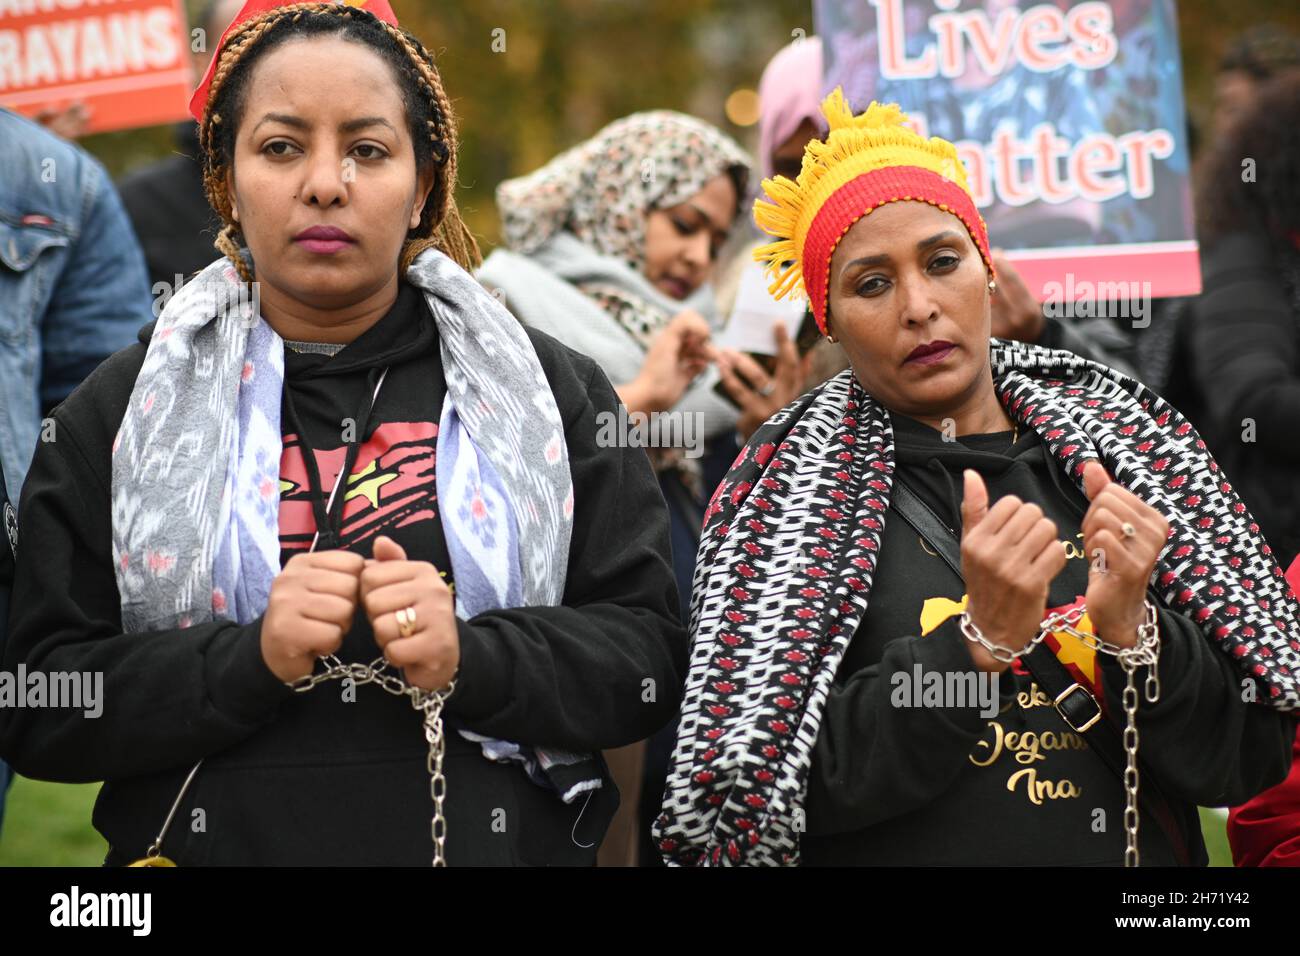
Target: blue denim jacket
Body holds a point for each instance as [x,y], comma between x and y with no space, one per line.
[73,286]
[8,555]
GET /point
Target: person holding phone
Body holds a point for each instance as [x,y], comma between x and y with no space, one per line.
[611,247]
[762,379]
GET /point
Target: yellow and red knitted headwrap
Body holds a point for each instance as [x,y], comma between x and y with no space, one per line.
[864,162]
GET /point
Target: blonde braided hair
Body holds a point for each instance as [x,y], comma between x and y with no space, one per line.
[440,227]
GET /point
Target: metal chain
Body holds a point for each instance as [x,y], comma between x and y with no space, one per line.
[428,702]
[1146,652]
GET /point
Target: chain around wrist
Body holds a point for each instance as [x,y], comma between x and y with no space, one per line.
[999,652]
[1141,653]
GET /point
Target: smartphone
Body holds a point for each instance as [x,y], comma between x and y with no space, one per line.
[749,327]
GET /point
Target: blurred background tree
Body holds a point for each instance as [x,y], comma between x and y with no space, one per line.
[532,77]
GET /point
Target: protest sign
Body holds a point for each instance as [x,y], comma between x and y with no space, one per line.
[1068,117]
[128,61]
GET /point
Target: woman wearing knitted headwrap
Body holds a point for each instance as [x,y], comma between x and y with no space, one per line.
[338,466]
[951,508]
[789,117]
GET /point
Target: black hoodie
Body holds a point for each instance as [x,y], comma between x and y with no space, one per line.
[946,786]
[328,777]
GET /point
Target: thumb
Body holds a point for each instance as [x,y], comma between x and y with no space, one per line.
[386,549]
[1094,478]
[974,500]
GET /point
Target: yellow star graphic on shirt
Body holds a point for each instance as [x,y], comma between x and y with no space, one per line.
[1074,651]
[936,610]
[366,484]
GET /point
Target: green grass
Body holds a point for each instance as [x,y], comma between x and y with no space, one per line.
[48,824]
[1214,827]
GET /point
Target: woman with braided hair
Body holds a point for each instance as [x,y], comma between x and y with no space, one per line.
[337,466]
[972,601]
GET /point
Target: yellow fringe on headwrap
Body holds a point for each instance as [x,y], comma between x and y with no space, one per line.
[874,139]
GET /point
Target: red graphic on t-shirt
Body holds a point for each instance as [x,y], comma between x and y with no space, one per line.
[392,484]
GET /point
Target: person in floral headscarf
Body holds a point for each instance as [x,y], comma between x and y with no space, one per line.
[611,248]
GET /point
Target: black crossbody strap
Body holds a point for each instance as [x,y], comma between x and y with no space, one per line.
[927,524]
[1074,702]
[1084,715]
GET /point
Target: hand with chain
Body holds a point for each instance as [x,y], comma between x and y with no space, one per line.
[1122,537]
[412,615]
[1009,556]
[309,611]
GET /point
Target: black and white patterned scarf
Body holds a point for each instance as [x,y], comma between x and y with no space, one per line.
[789,548]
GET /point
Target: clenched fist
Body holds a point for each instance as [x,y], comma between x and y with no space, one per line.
[309,611]
[430,653]
[1009,556]
[1120,562]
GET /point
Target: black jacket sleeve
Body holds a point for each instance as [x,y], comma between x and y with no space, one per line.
[1203,738]
[168,697]
[606,668]
[874,761]
[1245,347]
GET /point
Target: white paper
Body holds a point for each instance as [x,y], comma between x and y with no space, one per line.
[749,328]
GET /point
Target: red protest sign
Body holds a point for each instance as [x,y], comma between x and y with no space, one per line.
[127,60]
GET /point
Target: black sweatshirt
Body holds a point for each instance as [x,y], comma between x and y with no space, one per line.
[316,778]
[946,786]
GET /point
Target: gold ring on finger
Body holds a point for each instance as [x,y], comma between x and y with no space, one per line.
[1128,529]
[406,621]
